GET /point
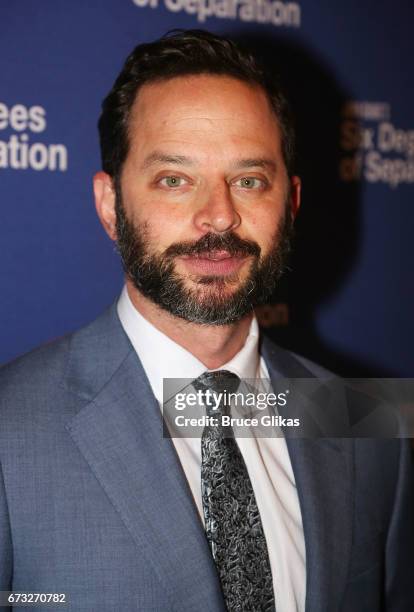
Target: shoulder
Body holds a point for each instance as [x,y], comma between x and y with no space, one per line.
[36,368]
[31,394]
[41,380]
[335,407]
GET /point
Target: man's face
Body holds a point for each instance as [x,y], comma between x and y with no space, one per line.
[203,204]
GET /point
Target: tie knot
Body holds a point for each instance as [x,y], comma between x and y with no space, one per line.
[217,381]
[219,384]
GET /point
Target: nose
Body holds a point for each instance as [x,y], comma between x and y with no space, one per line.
[217,214]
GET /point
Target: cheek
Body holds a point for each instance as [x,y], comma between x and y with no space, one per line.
[164,223]
[262,229]
[262,220]
[164,227]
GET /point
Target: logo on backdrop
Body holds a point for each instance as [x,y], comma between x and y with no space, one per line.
[276,12]
[373,148]
[19,152]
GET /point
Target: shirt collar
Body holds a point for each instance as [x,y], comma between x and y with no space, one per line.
[161,357]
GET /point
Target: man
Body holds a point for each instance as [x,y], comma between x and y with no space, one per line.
[199,193]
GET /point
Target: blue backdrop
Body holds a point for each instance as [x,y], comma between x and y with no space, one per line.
[348,68]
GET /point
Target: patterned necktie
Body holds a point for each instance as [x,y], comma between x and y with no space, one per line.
[232,520]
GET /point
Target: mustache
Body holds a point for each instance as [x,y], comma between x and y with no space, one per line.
[230,242]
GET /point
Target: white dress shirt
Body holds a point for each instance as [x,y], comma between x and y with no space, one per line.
[267,459]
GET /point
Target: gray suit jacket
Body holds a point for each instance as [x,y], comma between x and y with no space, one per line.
[94,503]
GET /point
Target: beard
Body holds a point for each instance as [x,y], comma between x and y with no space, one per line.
[214,300]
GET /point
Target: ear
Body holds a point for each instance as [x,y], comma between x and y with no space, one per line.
[295,189]
[104,193]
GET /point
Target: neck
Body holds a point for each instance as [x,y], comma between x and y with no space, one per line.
[213,345]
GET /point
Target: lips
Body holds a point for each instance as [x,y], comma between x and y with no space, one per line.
[214,263]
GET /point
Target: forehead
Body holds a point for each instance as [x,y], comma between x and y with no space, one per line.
[203,112]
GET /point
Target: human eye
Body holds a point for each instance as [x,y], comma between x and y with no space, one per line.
[250,183]
[172,181]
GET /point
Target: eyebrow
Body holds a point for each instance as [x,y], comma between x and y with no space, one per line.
[158,157]
[256,162]
[162,158]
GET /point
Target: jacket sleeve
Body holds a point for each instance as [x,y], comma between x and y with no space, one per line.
[400,540]
[6,551]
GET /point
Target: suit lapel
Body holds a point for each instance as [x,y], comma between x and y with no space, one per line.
[119,432]
[323,474]
[323,483]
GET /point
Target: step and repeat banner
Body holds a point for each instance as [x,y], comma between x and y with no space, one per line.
[349,300]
